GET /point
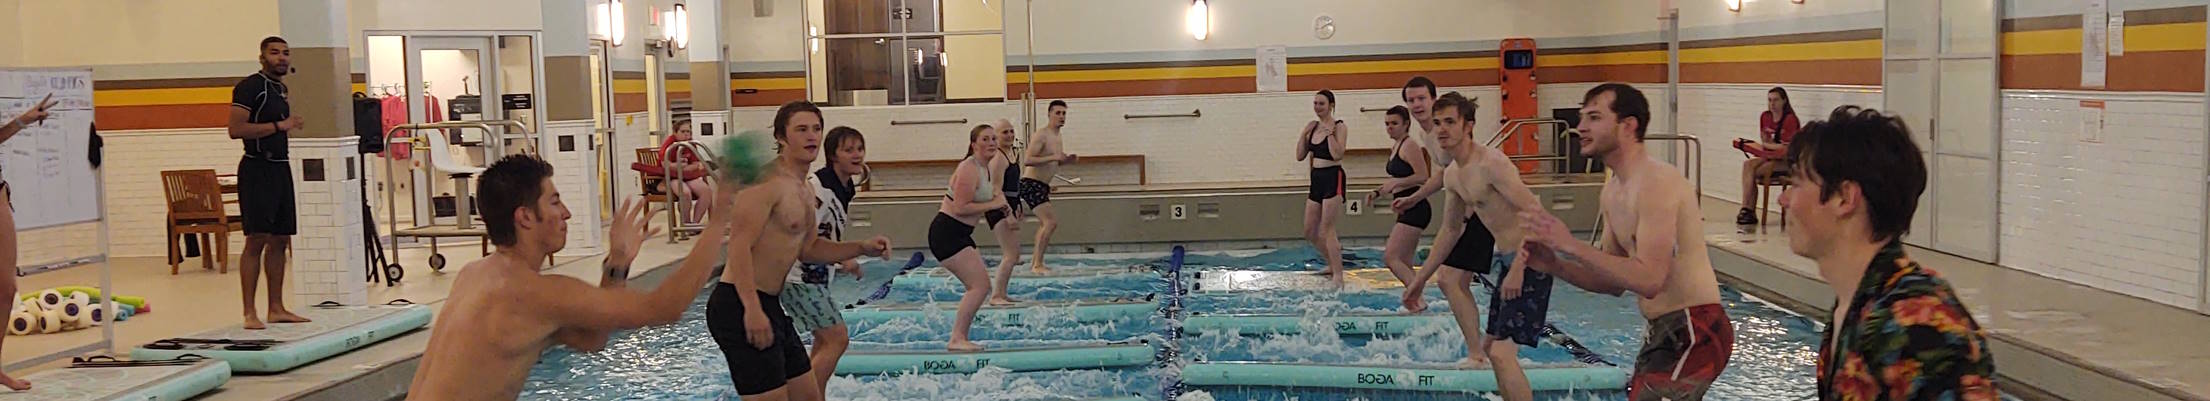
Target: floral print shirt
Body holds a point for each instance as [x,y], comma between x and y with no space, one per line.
[1905,338]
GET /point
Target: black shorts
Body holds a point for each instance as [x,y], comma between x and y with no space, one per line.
[948,236]
[995,216]
[1034,193]
[1474,249]
[1327,183]
[266,199]
[1418,215]
[755,370]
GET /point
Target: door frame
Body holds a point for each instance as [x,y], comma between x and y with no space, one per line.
[488,66]
[2203,273]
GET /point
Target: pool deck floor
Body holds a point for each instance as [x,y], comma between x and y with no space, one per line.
[2068,340]
[2065,340]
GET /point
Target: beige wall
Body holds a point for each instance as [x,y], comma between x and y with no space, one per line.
[753,39]
[1072,27]
[977,63]
[11,38]
[61,33]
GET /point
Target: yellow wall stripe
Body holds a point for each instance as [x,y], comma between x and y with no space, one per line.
[1138,74]
[156,97]
[1382,66]
[2139,38]
[1841,50]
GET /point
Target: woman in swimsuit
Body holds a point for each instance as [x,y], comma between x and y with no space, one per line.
[951,236]
[1322,146]
[1006,223]
[1408,169]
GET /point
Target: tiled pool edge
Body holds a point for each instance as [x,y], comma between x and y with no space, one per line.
[2020,362]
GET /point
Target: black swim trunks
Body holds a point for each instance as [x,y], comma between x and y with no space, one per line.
[755,370]
[1035,193]
[1475,249]
[266,199]
[948,236]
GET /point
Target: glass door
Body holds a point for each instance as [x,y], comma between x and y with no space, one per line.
[447,76]
[602,118]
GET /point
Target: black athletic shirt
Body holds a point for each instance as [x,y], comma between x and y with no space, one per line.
[266,102]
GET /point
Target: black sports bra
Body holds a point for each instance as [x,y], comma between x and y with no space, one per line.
[1321,150]
[1398,168]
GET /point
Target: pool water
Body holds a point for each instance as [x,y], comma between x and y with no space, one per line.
[1773,356]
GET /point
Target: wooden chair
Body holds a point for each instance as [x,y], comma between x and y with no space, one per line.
[1766,192]
[196,207]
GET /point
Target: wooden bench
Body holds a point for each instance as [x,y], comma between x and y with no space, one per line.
[1143,176]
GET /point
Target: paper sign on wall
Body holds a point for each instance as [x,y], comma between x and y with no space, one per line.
[2118,34]
[2091,121]
[1273,69]
[2094,41]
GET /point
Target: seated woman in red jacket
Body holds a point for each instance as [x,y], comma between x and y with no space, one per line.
[1776,128]
[692,180]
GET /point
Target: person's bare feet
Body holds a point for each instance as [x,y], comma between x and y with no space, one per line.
[1473,363]
[964,346]
[254,323]
[13,384]
[1039,269]
[1001,300]
[285,316]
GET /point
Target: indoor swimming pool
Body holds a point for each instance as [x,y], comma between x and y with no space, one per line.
[1773,358]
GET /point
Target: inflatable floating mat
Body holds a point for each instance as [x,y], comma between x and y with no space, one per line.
[938,276]
[284,346]
[1028,359]
[173,381]
[1083,311]
[1250,280]
[1253,324]
[1577,378]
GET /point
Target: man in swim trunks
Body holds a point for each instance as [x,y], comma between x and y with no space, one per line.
[1045,154]
[806,289]
[1899,331]
[1419,98]
[773,231]
[1484,183]
[503,313]
[1654,248]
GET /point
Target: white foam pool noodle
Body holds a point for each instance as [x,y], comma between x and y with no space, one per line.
[97,314]
[73,310]
[22,322]
[49,321]
[50,299]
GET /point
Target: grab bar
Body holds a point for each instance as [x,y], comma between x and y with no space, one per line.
[391,196]
[927,122]
[1372,109]
[673,166]
[1193,113]
[527,136]
[1694,165]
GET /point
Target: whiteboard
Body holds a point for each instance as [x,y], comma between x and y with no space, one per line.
[46,164]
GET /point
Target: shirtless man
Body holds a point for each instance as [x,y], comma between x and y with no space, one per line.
[1484,182]
[772,232]
[1654,248]
[1045,154]
[503,313]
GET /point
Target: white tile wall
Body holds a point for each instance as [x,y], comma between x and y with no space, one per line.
[330,253]
[1719,113]
[2123,215]
[136,212]
[575,174]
